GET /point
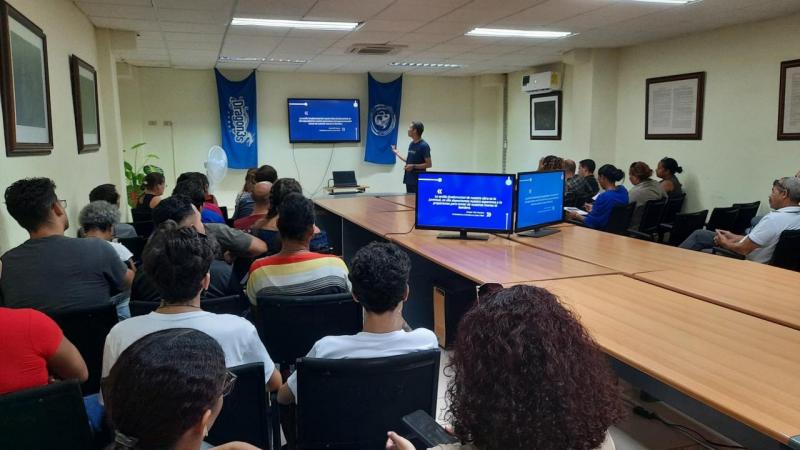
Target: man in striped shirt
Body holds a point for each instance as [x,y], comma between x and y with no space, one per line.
[296,270]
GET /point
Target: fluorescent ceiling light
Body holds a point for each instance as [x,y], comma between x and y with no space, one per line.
[426,65]
[286,61]
[240,58]
[498,32]
[669,2]
[301,24]
[263,60]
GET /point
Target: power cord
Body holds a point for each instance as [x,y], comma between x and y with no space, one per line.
[327,169]
[689,432]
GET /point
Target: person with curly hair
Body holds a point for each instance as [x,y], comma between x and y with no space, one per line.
[551,162]
[528,376]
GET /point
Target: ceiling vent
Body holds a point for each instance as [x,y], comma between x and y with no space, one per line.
[374,49]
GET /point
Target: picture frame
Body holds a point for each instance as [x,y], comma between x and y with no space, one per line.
[545,116]
[674,106]
[24,85]
[83,78]
[789,101]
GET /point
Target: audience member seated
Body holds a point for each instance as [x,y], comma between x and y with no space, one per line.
[537,381]
[578,190]
[249,183]
[178,259]
[600,210]
[231,241]
[644,189]
[296,270]
[108,192]
[379,273]
[51,272]
[154,185]
[759,244]
[551,162]
[667,170]
[586,171]
[166,390]
[181,211]
[245,203]
[260,194]
[209,210]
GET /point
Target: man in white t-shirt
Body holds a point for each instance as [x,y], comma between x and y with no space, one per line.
[379,273]
[177,259]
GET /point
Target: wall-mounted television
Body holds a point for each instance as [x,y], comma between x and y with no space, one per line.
[314,120]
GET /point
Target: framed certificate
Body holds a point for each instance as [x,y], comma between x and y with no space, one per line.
[546,116]
[674,106]
[789,101]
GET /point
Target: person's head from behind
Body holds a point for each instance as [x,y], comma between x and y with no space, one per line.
[180,210]
[569,168]
[98,219]
[551,162]
[785,192]
[249,180]
[154,183]
[266,173]
[165,390]
[548,384]
[107,192]
[608,176]
[668,167]
[280,189]
[296,220]
[639,171]
[199,178]
[192,189]
[33,203]
[379,274]
[261,193]
[415,130]
[586,167]
[178,259]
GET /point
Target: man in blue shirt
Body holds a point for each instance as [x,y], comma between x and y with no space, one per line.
[418,158]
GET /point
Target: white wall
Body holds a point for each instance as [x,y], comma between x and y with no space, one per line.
[68,32]
[462,118]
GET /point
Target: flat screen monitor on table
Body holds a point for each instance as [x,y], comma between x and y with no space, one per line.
[540,202]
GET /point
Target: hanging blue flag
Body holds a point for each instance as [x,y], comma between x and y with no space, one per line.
[237,117]
[384,114]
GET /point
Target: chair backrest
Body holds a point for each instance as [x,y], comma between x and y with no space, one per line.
[142,215]
[290,325]
[747,211]
[723,218]
[224,210]
[87,329]
[51,416]
[350,403]
[144,229]
[787,251]
[620,219]
[651,217]
[685,224]
[135,245]
[244,411]
[673,207]
[232,304]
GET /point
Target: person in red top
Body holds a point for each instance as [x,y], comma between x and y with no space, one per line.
[260,196]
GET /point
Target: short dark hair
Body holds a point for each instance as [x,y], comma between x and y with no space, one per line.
[611,173]
[379,273]
[176,208]
[418,127]
[280,189]
[107,192]
[30,200]
[588,164]
[176,259]
[192,189]
[98,215]
[296,217]
[671,165]
[266,173]
[153,179]
[200,178]
[162,384]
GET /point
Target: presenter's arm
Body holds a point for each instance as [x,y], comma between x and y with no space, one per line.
[397,153]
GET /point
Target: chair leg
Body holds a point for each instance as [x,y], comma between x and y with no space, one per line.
[275,421]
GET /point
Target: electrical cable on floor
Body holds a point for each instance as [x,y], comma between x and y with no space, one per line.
[692,434]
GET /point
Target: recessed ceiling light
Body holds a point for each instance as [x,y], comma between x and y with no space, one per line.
[240,58]
[426,65]
[301,24]
[286,61]
[499,32]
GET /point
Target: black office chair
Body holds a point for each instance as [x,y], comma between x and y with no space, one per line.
[351,403]
[651,218]
[682,226]
[142,215]
[787,251]
[723,218]
[135,245]
[747,211]
[87,329]
[231,304]
[224,210]
[144,229]
[673,207]
[290,325]
[46,417]
[620,219]
[245,415]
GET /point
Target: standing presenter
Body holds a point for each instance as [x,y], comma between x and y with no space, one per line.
[418,159]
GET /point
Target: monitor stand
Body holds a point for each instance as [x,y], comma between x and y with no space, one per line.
[539,232]
[463,235]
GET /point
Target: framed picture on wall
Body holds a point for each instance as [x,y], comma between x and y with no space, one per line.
[789,101]
[84,103]
[546,116]
[674,106]
[24,85]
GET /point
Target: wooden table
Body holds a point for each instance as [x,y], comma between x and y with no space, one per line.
[357,205]
[405,200]
[742,366]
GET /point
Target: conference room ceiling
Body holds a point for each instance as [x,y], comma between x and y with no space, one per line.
[195,34]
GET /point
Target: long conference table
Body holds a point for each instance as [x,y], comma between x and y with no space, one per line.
[714,337]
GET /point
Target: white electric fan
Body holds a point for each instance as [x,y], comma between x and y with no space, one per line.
[216,166]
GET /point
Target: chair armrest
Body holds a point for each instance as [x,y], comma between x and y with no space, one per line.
[665,226]
[640,235]
[726,253]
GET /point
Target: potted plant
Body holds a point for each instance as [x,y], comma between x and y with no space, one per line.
[134,176]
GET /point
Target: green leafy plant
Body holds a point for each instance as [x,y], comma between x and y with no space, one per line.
[135,172]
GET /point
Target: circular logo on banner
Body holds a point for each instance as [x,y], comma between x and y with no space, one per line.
[382,120]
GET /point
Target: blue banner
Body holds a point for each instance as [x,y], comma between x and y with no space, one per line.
[384,115]
[237,117]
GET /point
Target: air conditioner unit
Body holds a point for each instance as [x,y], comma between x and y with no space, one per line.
[542,82]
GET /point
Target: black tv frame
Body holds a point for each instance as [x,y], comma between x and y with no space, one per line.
[304,141]
[537,227]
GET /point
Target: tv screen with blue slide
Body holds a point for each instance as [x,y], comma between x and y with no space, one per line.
[324,120]
[465,202]
[540,199]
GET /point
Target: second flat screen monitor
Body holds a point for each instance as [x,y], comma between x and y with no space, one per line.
[540,200]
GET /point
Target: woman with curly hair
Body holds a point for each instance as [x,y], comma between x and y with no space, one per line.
[527,376]
[551,162]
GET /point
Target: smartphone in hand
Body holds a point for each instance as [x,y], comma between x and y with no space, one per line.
[428,431]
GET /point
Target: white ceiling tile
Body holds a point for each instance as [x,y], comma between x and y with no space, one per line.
[207,5]
[414,9]
[249,47]
[275,9]
[186,27]
[125,24]
[149,43]
[550,12]
[382,26]
[217,16]
[455,29]
[179,46]
[93,9]
[346,10]
[194,37]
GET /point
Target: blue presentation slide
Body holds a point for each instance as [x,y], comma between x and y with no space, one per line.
[324,120]
[465,201]
[540,199]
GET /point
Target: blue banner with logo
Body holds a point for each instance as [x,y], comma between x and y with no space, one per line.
[384,115]
[237,117]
